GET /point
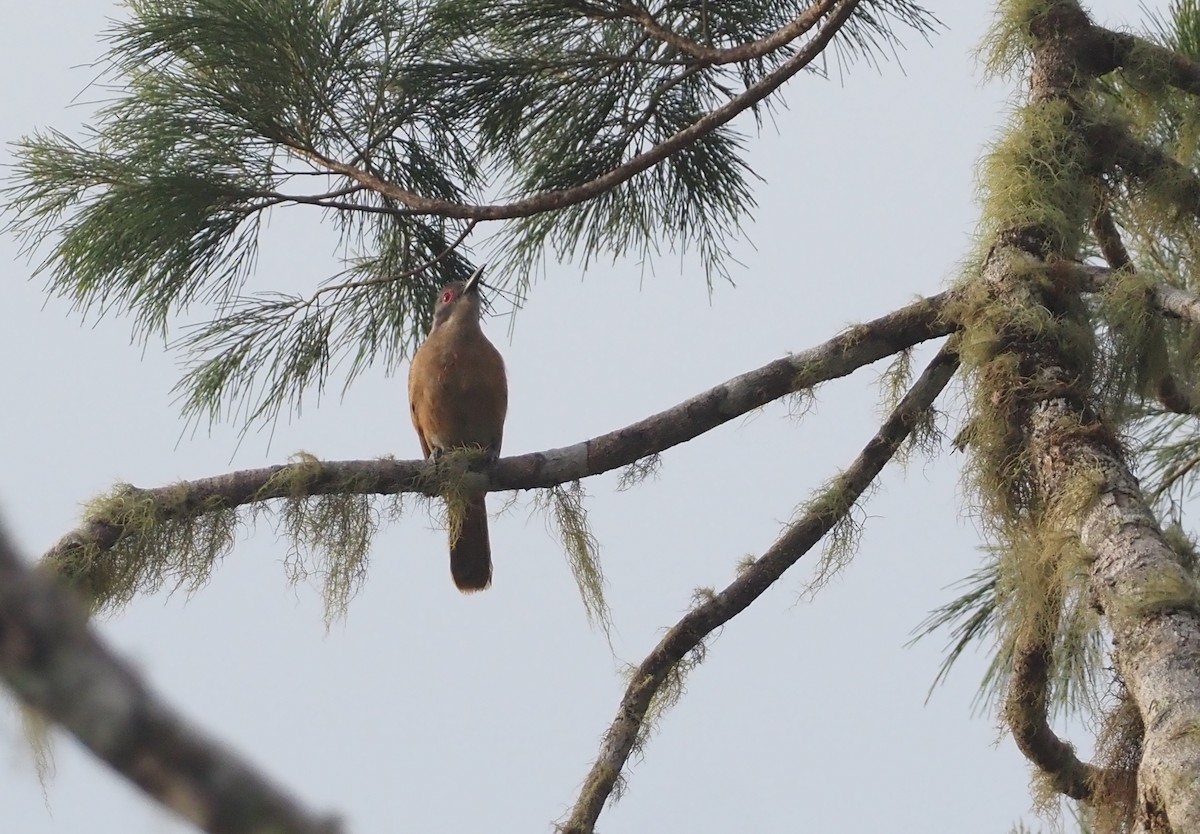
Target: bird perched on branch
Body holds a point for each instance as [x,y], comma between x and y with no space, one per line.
[458,396]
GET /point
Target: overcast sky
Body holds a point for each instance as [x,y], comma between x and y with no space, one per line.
[430,711]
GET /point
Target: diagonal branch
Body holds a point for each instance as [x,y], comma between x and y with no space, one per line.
[858,346]
[1140,56]
[798,539]
[56,664]
[1157,171]
[417,204]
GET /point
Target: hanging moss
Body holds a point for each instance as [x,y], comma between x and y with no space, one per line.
[564,505]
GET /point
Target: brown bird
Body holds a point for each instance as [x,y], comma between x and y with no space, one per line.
[458,395]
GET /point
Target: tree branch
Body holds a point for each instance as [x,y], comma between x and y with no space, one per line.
[1025,711]
[1142,57]
[1168,179]
[858,346]
[1168,391]
[736,54]
[76,553]
[687,634]
[550,200]
[56,664]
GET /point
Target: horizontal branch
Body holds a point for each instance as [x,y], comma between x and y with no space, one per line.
[858,346]
[551,200]
[686,635]
[57,665]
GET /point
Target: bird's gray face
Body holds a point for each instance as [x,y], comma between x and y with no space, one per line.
[458,301]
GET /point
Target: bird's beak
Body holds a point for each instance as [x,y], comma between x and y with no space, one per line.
[472,284]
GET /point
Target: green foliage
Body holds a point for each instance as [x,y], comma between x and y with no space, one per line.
[218,112]
[1010,597]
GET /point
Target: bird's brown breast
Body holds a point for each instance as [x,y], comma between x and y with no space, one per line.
[458,391]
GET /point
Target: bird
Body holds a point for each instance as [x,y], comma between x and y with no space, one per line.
[458,396]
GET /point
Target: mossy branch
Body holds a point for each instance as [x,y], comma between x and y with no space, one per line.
[197,518]
[1170,394]
[56,664]
[1149,63]
[110,557]
[1158,176]
[1026,710]
[689,633]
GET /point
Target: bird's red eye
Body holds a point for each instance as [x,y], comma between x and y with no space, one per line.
[447,296]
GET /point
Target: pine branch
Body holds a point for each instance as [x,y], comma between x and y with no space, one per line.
[56,664]
[1163,178]
[687,634]
[417,204]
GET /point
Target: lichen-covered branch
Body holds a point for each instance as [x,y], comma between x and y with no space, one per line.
[54,662]
[1146,60]
[1161,176]
[131,510]
[687,634]
[1170,394]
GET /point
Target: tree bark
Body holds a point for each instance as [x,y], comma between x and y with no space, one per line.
[1150,602]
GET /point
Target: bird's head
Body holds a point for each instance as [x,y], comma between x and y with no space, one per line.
[459,301]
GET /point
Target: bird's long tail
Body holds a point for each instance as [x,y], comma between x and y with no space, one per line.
[471,551]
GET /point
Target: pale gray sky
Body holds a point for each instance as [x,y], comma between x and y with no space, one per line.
[430,711]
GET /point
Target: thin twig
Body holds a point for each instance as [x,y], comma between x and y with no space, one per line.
[703,620]
[1173,476]
[55,663]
